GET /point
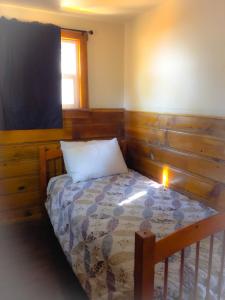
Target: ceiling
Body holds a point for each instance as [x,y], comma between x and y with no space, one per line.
[89,7]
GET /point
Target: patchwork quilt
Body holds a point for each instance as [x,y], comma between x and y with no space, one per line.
[95,222]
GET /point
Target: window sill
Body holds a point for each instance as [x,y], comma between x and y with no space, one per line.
[65,108]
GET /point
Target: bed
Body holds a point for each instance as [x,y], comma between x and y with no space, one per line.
[126,237]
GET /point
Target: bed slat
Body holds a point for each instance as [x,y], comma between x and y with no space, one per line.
[62,166]
[166,271]
[196,270]
[221,269]
[54,167]
[181,274]
[209,267]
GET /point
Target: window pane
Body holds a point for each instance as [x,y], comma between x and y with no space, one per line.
[69,57]
[68,89]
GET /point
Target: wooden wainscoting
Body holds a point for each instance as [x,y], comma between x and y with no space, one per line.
[193,147]
[19,157]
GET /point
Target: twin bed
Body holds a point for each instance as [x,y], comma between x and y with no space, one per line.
[126,237]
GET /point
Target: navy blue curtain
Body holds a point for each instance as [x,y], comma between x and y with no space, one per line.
[30,75]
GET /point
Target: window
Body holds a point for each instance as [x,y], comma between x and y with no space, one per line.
[74,69]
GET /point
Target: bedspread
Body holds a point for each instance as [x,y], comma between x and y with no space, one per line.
[95,222]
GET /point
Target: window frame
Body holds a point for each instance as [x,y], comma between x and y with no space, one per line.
[81,39]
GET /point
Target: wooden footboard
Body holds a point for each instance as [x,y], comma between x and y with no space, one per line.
[149,252]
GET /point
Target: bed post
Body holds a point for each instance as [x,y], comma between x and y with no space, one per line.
[123,146]
[144,266]
[43,172]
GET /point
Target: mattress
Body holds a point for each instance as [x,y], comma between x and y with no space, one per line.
[95,222]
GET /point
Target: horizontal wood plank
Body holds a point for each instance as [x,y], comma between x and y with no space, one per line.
[19,185]
[90,131]
[10,169]
[200,144]
[148,135]
[202,125]
[22,215]
[196,164]
[87,113]
[29,136]
[19,200]
[19,152]
[189,184]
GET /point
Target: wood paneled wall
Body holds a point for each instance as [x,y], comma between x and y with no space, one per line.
[19,157]
[193,147]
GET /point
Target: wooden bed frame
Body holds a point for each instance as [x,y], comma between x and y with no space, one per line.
[148,251]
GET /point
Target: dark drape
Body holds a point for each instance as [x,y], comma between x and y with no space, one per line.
[30,75]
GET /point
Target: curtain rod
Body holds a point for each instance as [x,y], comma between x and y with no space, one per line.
[83,31]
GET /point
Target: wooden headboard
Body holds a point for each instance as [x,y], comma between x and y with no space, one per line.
[52,164]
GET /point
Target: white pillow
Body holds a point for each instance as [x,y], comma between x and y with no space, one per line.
[93,159]
[71,145]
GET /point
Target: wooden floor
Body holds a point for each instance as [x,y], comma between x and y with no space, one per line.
[33,266]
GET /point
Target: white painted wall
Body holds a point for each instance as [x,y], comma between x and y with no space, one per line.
[175,58]
[105,52]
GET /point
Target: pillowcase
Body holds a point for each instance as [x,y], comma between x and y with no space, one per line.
[68,145]
[71,145]
[93,159]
